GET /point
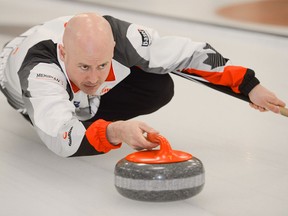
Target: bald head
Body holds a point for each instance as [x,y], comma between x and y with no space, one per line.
[87,51]
[90,31]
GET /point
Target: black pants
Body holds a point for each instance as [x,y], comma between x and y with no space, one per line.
[138,94]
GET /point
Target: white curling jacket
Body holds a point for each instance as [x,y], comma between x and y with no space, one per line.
[36,83]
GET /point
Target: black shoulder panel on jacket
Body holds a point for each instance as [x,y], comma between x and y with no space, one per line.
[42,52]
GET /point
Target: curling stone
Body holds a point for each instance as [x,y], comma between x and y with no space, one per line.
[159,175]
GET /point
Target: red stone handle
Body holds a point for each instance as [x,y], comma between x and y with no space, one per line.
[164,155]
[165,147]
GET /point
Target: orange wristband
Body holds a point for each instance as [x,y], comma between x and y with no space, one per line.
[96,135]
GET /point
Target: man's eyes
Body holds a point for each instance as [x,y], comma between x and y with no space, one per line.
[84,67]
[87,67]
[102,66]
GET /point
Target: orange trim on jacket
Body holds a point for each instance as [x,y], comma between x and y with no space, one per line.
[96,135]
[232,76]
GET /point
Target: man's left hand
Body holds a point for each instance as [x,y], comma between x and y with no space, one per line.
[263,99]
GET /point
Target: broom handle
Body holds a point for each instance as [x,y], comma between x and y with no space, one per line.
[284,111]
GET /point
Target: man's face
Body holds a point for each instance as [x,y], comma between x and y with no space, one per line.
[86,68]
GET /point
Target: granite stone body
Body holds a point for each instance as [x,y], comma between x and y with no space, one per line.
[159,182]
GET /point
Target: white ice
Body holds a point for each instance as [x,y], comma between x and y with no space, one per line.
[244,151]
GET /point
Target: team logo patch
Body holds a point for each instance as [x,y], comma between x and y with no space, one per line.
[145,37]
[67,135]
[76,104]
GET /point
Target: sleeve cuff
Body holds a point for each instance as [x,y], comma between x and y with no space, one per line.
[96,135]
[249,82]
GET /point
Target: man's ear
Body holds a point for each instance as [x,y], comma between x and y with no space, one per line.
[62,52]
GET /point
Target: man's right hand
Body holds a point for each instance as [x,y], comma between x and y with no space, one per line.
[132,133]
